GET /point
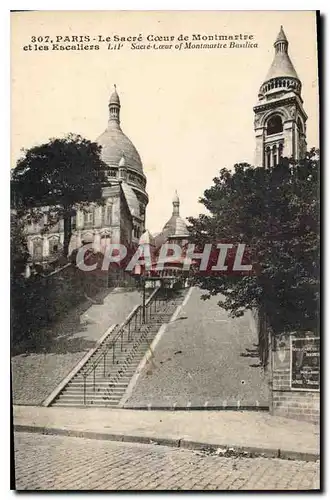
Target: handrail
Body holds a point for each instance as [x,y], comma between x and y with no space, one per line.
[152,295]
[133,313]
[136,314]
[114,339]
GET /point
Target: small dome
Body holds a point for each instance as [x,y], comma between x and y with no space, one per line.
[176,226]
[114,98]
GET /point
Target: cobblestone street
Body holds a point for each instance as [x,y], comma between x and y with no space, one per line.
[68,463]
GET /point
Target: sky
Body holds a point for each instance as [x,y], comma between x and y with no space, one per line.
[188,112]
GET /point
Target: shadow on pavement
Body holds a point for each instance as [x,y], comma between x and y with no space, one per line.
[63,336]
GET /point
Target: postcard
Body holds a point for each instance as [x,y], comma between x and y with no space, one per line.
[165,250]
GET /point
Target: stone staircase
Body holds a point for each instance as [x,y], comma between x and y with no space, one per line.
[103,380]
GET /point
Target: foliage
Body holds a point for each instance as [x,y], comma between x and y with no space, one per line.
[19,258]
[56,178]
[19,251]
[275,212]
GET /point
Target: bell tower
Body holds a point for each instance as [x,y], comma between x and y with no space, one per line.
[279,116]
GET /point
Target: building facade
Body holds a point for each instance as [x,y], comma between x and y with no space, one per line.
[280,129]
[121,219]
[279,116]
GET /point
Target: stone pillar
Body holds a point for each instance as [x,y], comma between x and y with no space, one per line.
[79,219]
[98,216]
[97,242]
[45,247]
[288,150]
[259,151]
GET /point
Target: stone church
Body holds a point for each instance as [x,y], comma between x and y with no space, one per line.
[280,130]
[122,218]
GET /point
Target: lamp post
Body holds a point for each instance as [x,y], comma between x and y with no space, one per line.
[143,298]
[138,272]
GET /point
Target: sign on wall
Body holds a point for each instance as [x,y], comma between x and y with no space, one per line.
[305,363]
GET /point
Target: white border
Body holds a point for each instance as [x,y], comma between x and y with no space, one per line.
[5,136]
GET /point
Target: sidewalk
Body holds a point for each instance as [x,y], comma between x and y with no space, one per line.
[255,432]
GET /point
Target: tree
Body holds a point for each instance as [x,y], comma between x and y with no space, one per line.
[57,178]
[275,212]
[19,251]
[19,259]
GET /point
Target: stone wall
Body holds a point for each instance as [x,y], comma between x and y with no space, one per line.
[286,400]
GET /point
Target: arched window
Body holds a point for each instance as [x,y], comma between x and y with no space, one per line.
[274,125]
[89,218]
[107,215]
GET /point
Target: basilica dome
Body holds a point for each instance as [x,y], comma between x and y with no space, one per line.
[115,143]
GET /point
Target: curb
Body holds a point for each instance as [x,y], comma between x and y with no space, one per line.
[197,408]
[174,443]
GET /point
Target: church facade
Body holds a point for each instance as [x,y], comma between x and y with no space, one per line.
[121,219]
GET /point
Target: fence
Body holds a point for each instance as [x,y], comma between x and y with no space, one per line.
[131,329]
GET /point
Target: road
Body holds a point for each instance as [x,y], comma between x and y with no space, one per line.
[69,463]
[204,357]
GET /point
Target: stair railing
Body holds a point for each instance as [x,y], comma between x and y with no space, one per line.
[130,327]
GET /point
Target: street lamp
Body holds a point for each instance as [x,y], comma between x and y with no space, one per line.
[139,272]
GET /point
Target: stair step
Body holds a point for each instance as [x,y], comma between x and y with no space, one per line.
[94,397]
[90,390]
[100,382]
[113,404]
[118,375]
[92,394]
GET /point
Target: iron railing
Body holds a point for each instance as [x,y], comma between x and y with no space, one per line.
[114,347]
